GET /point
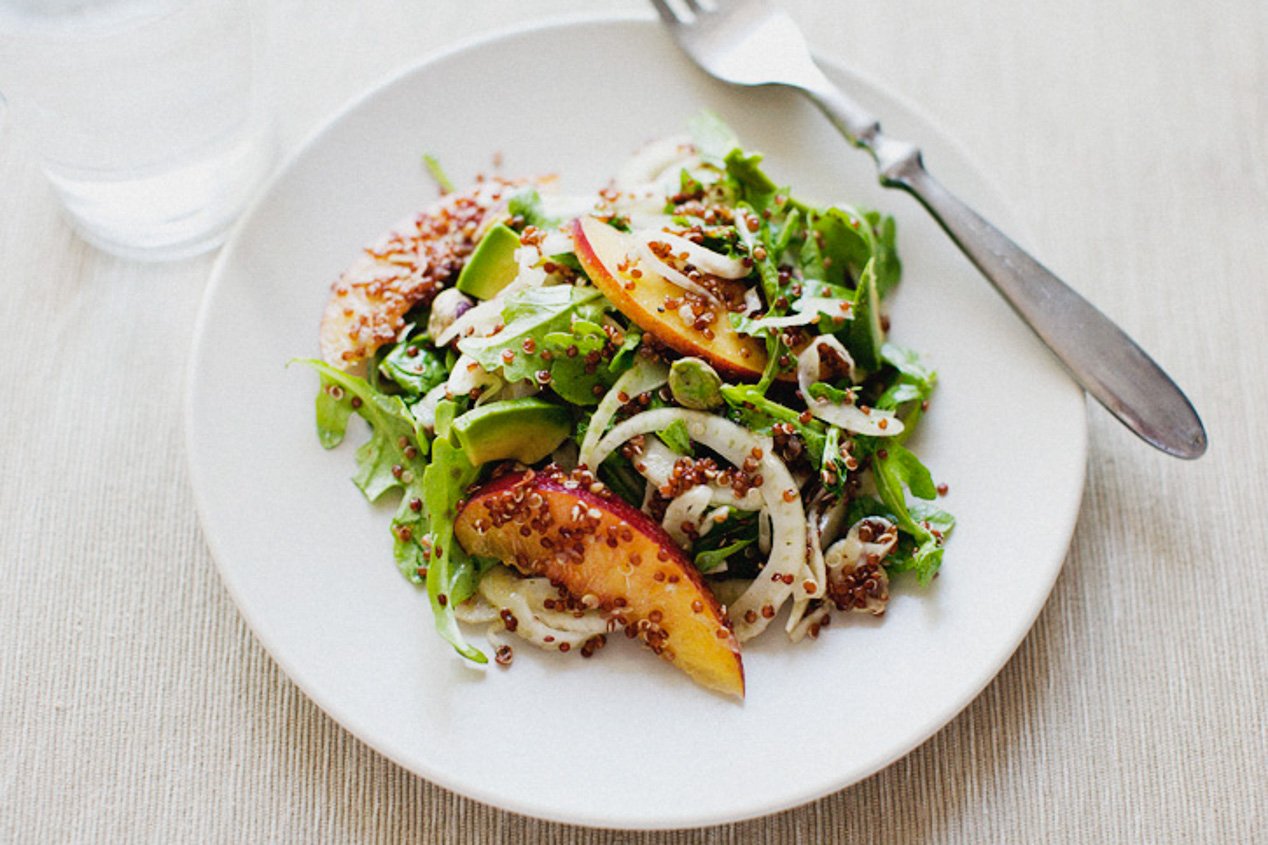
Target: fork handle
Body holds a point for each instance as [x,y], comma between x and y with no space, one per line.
[1097,353]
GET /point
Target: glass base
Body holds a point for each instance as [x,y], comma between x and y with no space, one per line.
[170,212]
[152,253]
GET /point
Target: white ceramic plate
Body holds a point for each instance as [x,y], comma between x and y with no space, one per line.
[621,740]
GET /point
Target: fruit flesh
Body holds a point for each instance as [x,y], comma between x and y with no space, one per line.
[526,429]
[492,265]
[603,252]
[608,555]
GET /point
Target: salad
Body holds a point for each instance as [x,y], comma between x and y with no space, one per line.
[668,411]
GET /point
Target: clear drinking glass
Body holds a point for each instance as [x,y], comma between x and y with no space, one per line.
[151,118]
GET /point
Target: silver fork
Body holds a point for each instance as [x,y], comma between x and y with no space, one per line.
[751,42]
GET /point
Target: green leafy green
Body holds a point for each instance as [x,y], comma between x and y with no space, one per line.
[619,475]
[913,385]
[382,461]
[526,205]
[885,251]
[676,437]
[624,357]
[935,518]
[393,458]
[832,469]
[409,526]
[902,465]
[432,165]
[415,366]
[577,366]
[760,246]
[334,408]
[893,469]
[726,540]
[452,574]
[753,187]
[750,407]
[541,324]
[789,234]
[712,137]
[823,390]
[711,559]
[846,242]
[865,336]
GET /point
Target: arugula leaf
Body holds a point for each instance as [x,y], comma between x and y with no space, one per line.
[757,243]
[893,468]
[921,554]
[379,461]
[908,363]
[913,386]
[713,139]
[811,256]
[823,390]
[526,204]
[677,438]
[394,458]
[624,357]
[432,164]
[711,559]
[906,468]
[736,533]
[334,407]
[409,526]
[750,408]
[789,234]
[865,335]
[382,461]
[832,470]
[576,367]
[752,185]
[885,251]
[924,558]
[619,475]
[847,243]
[451,573]
[414,366]
[936,518]
[540,326]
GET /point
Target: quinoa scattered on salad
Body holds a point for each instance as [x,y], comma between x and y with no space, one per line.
[669,410]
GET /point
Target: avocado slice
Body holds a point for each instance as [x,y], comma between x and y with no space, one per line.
[525,430]
[866,334]
[492,265]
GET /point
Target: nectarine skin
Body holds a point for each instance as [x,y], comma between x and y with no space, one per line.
[606,554]
[602,252]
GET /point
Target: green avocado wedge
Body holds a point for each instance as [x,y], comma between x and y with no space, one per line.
[524,430]
[491,266]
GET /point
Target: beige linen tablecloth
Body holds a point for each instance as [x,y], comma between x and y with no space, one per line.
[1132,139]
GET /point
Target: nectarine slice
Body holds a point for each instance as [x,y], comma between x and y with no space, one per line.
[606,554]
[641,293]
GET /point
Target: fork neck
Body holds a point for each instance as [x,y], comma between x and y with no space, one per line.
[858,125]
[896,161]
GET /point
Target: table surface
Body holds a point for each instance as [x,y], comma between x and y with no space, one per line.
[1132,140]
